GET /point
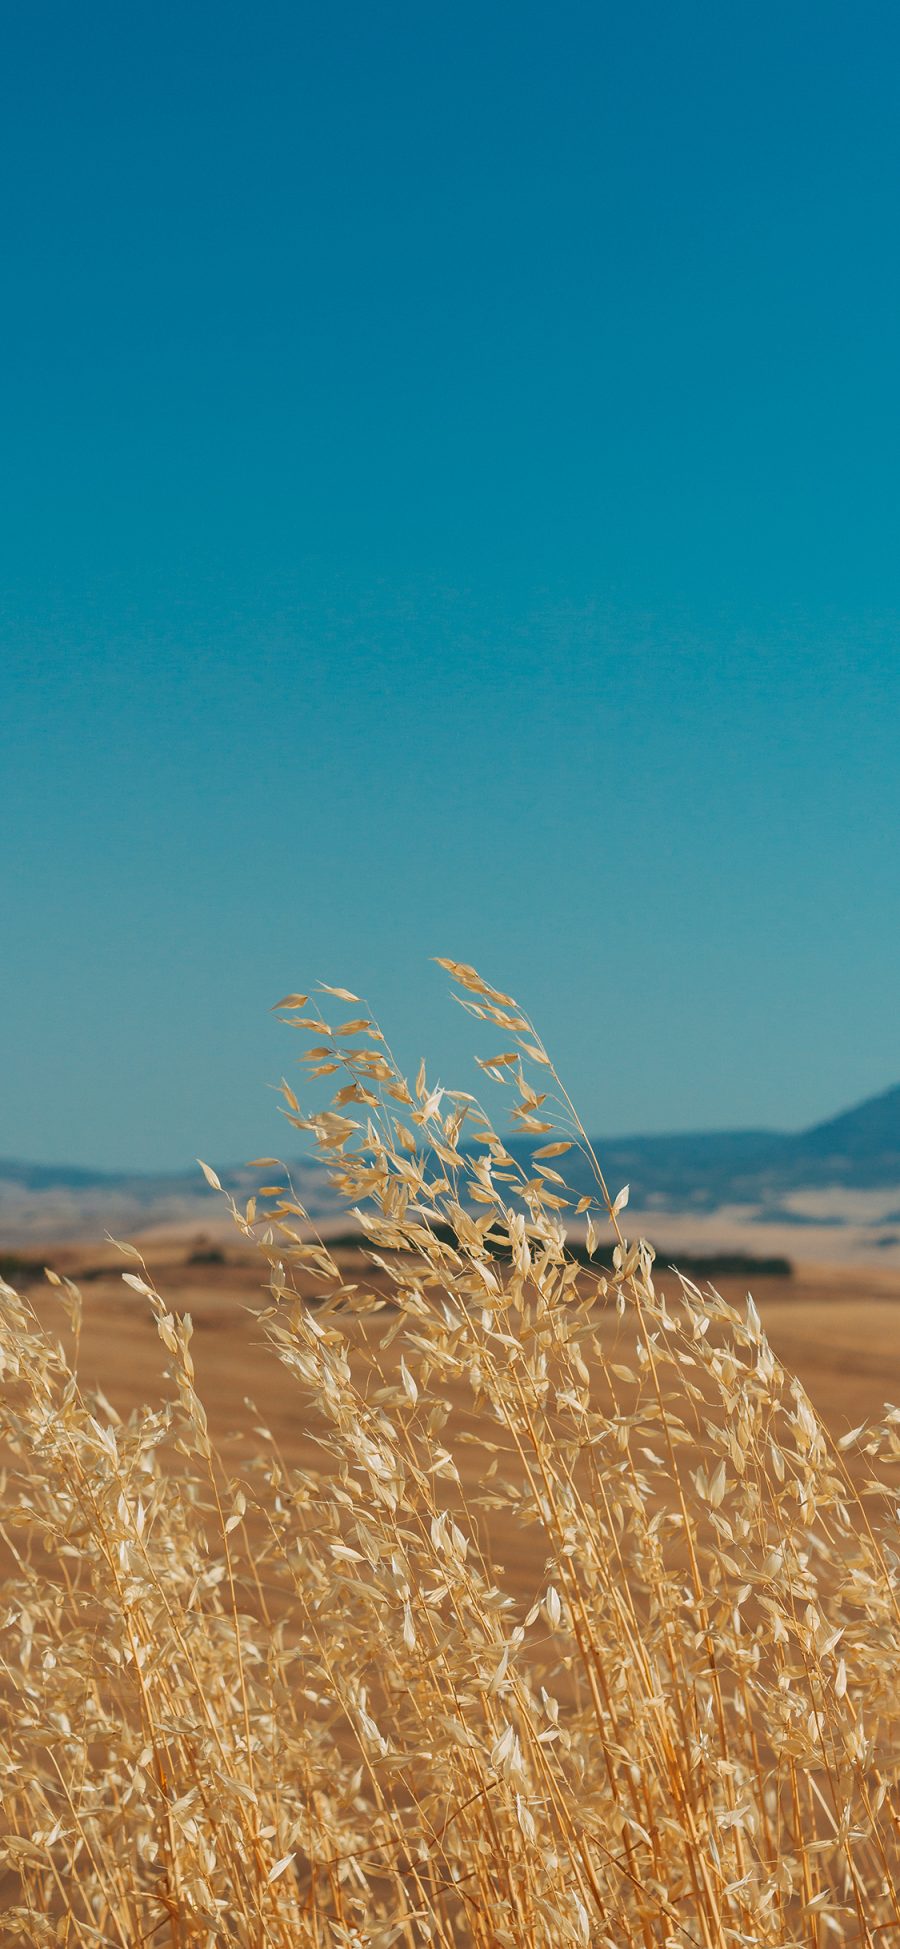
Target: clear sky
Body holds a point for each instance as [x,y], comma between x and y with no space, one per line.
[451,505]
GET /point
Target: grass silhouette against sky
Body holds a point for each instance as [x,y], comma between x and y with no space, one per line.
[450,507]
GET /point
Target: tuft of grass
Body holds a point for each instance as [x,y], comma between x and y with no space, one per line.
[283,1707]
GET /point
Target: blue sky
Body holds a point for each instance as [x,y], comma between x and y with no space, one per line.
[450,505]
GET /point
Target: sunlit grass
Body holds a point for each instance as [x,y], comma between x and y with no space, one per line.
[310,1709]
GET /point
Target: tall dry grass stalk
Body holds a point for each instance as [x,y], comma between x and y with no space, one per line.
[308,1709]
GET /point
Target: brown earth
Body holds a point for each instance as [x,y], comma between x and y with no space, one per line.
[838,1329]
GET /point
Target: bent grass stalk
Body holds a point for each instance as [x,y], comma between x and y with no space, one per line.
[306,1707]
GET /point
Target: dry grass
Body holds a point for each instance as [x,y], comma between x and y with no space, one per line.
[267,1705]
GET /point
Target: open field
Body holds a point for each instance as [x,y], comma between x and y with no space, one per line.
[838,1329]
[318,1616]
[512,1597]
[840,1334]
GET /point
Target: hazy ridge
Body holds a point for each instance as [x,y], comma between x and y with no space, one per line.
[844,1171]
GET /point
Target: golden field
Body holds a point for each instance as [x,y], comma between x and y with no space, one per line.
[837,1327]
[447,1589]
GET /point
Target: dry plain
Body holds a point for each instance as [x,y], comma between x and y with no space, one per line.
[839,1331]
[838,1328]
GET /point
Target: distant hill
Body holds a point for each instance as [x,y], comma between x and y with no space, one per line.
[61,1201]
[858,1150]
[761,1171]
[864,1141]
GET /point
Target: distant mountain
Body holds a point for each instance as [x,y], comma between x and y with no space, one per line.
[865,1139]
[60,1201]
[145,1187]
[694,1173]
[77,1177]
[702,1169]
[858,1150]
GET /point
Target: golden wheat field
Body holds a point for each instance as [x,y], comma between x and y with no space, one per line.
[448,1590]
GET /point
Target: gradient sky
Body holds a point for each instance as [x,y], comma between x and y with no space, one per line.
[451,505]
